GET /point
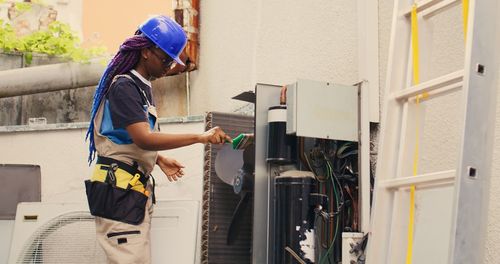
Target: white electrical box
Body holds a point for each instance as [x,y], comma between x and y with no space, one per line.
[322,110]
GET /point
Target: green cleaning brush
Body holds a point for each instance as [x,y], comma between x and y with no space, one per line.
[242,141]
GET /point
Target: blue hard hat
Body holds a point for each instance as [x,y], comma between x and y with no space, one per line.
[166,34]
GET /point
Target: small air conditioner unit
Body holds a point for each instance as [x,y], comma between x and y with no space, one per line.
[65,233]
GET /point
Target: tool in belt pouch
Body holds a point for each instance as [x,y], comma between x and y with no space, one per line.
[117,191]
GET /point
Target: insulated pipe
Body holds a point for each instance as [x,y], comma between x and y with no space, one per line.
[49,78]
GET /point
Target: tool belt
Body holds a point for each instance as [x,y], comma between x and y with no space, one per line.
[118,191]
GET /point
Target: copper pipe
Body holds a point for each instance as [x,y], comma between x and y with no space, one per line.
[283,95]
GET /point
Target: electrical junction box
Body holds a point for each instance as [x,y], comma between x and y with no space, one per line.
[322,110]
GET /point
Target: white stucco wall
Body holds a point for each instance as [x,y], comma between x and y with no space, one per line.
[273,42]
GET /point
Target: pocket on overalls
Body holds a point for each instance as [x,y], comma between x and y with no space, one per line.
[108,201]
[125,237]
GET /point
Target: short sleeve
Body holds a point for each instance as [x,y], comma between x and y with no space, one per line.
[126,103]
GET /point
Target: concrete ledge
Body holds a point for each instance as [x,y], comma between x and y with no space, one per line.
[85,125]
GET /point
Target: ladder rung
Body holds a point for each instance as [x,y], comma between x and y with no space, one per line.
[428,6]
[449,81]
[422,179]
[439,7]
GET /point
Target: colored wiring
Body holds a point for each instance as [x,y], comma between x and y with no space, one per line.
[294,255]
[334,165]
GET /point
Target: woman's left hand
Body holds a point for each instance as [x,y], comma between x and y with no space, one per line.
[171,167]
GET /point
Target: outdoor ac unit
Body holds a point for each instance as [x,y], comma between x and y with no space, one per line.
[65,233]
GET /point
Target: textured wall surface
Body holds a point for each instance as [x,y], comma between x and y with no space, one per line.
[274,42]
[74,105]
[493,237]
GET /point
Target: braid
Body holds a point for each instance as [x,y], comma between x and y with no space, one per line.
[124,60]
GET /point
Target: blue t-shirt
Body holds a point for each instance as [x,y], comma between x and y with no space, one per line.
[127,104]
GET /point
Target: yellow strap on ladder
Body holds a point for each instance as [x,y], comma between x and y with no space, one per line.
[416,80]
[414,44]
[465,13]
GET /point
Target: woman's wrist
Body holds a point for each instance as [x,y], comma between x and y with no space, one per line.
[159,158]
[201,139]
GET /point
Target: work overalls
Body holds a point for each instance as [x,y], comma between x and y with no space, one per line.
[120,192]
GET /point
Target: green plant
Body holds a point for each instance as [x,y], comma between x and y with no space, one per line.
[9,42]
[58,40]
[23,7]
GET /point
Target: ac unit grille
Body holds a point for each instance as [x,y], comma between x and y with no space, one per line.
[69,238]
[219,201]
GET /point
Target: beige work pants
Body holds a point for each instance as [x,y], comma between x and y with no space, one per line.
[125,243]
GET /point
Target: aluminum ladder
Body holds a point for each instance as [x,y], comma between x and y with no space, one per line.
[467,184]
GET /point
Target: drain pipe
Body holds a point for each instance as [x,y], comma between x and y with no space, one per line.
[49,78]
[188,94]
[187,14]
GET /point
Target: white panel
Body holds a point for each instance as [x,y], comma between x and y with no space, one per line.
[368,54]
[6,229]
[266,96]
[348,241]
[325,110]
[174,232]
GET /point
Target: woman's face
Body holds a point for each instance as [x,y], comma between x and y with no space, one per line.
[160,63]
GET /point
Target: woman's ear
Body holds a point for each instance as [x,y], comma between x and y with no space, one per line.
[145,54]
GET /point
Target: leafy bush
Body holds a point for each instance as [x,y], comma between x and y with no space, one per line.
[8,40]
[58,40]
[23,7]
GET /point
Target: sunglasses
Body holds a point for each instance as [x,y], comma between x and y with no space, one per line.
[166,62]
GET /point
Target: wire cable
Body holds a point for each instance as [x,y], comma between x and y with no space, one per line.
[294,255]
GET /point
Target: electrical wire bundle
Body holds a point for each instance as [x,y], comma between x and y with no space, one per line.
[335,166]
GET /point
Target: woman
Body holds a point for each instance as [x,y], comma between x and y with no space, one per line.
[124,133]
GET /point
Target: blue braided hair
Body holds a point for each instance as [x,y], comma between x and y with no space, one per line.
[124,60]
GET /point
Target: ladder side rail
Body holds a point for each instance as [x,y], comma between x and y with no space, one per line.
[390,130]
[468,231]
[394,238]
[405,135]
[412,121]
[403,168]
[399,236]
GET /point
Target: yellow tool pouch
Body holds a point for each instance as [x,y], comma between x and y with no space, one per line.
[117,191]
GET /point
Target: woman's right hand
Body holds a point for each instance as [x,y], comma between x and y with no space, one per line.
[215,136]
